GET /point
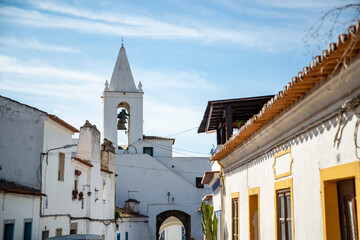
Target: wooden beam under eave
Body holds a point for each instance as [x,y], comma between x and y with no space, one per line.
[209,118]
[228,121]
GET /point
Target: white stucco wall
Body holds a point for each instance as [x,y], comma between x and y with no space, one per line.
[62,209]
[152,181]
[111,100]
[161,149]
[187,167]
[308,129]
[137,228]
[20,207]
[21,142]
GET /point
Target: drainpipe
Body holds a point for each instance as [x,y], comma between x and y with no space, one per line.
[222,175]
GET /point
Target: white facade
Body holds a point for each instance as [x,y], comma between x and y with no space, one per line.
[93,212]
[162,184]
[33,146]
[306,150]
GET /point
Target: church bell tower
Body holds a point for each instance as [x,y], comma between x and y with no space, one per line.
[123,106]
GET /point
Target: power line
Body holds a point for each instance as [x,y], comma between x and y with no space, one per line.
[154,169]
[182,132]
[160,145]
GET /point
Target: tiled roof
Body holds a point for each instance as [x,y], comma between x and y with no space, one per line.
[63,123]
[107,171]
[10,187]
[208,176]
[156,138]
[23,104]
[53,117]
[207,197]
[85,162]
[126,214]
[324,66]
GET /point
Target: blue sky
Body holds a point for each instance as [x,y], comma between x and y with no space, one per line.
[56,55]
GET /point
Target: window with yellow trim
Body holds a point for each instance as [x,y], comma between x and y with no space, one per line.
[283,201]
[339,187]
[284,209]
[235,218]
[254,216]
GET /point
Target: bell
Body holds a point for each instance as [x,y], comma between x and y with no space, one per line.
[122,116]
[121,125]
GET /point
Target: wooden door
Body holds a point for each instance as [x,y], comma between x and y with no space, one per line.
[347,209]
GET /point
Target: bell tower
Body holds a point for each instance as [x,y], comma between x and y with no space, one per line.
[123,106]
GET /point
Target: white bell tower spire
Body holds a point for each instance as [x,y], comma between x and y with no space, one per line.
[120,95]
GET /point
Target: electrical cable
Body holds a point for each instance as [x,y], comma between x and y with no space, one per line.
[182,132]
[122,165]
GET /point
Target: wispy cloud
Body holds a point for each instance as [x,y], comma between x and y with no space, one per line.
[35,44]
[162,79]
[10,64]
[134,26]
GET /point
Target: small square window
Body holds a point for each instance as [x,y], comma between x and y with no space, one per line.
[198,182]
[149,150]
[58,232]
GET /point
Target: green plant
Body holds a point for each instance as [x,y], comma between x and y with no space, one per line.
[239,123]
[117,214]
[209,224]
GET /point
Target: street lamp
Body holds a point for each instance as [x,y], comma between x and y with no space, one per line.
[51,149]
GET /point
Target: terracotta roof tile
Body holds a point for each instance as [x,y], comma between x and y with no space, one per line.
[23,104]
[208,176]
[63,123]
[156,138]
[125,214]
[10,187]
[107,171]
[85,162]
[324,66]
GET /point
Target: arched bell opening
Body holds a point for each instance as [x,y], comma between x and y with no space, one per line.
[123,125]
[174,225]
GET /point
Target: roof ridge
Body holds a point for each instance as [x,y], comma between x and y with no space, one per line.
[347,45]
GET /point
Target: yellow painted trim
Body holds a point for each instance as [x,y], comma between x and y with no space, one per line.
[287,151]
[328,177]
[254,191]
[251,193]
[235,195]
[279,185]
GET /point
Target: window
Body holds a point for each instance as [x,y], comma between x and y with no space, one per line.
[118,236]
[45,234]
[339,201]
[347,209]
[254,213]
[61,166]
[27,228]
[148,150]
[73,228]
[9,226]
[126,236]
[283,209]
[235,216]
[198,182]
[58,232]
[284,230]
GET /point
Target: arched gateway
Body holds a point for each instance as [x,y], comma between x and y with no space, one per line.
[183,217]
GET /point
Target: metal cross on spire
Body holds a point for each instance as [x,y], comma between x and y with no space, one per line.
[122,41]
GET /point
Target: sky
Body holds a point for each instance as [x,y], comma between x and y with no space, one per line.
[56,55]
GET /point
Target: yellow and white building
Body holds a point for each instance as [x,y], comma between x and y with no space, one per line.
[292,171]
